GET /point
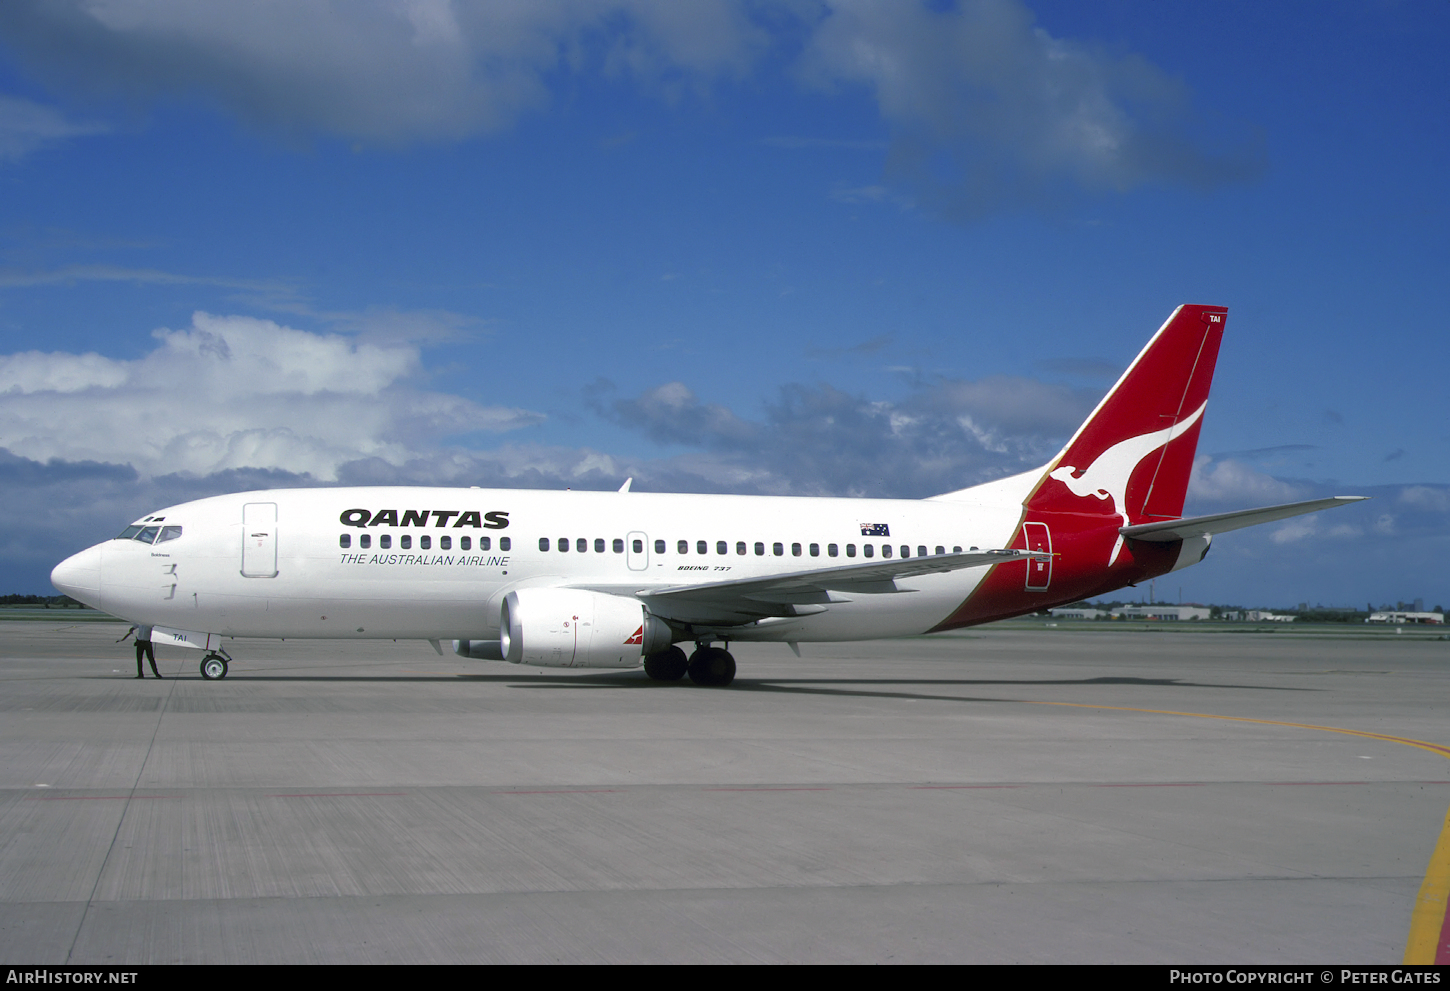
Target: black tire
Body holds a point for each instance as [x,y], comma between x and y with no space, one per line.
[213,668]
[712,667]
[667,665]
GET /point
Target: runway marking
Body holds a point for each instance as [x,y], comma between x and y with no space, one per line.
[1429,938]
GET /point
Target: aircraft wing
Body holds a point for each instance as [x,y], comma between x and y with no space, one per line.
[800,593]
[1203,526]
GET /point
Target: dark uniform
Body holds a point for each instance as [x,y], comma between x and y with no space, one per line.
[143,648]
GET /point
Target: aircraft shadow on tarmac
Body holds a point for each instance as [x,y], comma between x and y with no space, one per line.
[633,680]
[824,686]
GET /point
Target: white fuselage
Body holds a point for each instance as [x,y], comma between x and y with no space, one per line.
[319,588]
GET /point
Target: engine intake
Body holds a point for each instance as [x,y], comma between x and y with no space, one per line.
[572,628]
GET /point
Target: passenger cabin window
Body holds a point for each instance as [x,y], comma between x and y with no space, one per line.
[563,545]
[504,543]
[702,547]
[406,542]
[638,546]
[795,550]
[815,550]
[445,543]
[543,543]
[759,549]
[425,542]
[465,544]
[385,541]
[581,545]
[168,533]
[868,550]
[739,547]
[598,545]
[345,540]
[721,547]
[484,543]
[958,550]
[830,550]
[365,540]
[850,550]
[885,550]
[778,550]
[940,549]
[921,551]
[618,545]
[683,547]
[660,546]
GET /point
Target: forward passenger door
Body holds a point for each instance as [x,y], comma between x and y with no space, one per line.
[259,540]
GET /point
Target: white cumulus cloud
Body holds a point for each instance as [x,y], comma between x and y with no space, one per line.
[986,109]
[232,393]
[1228,480]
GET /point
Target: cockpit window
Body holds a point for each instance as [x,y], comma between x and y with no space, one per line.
[148,535]
[168,533]
[129,532]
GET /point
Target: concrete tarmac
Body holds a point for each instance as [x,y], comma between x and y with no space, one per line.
[968,798]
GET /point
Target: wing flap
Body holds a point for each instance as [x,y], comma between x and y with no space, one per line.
[799,593]
[874,578]
[1204,526]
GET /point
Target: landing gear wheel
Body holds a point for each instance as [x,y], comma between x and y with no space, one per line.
[213,667]
[712,667]
[667,665]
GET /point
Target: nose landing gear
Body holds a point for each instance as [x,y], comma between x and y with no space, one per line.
[214,665]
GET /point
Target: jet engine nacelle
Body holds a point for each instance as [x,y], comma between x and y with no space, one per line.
[572,628]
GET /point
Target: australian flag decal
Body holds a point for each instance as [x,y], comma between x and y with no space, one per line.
[875,530]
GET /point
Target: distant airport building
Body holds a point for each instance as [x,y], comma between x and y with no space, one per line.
[1401,618]
[1077,612]
[1255,616]
[1164,612]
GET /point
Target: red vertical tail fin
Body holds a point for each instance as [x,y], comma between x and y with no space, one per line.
[1128,463]
[1133,455]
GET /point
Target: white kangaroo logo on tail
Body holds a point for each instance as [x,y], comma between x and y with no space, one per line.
[1107,477]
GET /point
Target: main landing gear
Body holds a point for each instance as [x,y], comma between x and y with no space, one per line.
[708,666]
[666,665]
[214,665]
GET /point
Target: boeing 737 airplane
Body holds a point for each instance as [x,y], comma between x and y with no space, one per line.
[616,579]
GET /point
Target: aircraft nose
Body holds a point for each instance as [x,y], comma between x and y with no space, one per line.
[79,575]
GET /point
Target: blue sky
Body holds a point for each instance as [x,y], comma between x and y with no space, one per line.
[786,246]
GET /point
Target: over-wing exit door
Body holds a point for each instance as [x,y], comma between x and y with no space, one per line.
[259,540]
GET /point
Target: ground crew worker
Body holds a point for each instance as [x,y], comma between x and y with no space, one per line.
[144,649]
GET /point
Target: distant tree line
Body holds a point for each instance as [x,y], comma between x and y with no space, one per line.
[43,601]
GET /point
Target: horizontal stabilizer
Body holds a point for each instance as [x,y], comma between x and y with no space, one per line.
[1203,526]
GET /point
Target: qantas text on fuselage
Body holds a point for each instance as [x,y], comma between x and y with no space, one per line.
[616,579]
